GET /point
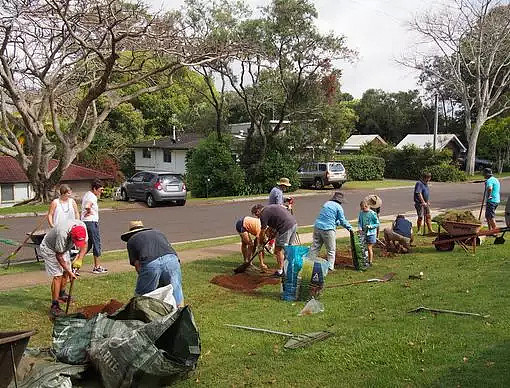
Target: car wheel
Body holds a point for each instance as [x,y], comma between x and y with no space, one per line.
[150,201]
[337,185]
[123,195]
[181,202]
[318,184]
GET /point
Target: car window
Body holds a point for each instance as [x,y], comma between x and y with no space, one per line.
[322,167]
[336,167]
[137,177]
[147,177]
[169,178]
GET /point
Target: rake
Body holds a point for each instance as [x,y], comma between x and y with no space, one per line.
[295,340]
[384,279]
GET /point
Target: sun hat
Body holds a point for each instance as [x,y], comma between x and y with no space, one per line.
[284,182]
[338,197]
[374,201]
[134,227]
[79,236]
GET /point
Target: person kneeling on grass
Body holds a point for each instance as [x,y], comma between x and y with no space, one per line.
[400,235]
[154,259]
[247,226]
[367,225]
[324,229]
[54,250]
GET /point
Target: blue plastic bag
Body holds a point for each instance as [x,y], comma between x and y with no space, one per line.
[293,262]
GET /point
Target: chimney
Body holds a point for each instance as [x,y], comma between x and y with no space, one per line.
[173,134]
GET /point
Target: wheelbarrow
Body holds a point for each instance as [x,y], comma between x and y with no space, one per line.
[12,346]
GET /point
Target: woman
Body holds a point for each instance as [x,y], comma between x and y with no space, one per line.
[63,208]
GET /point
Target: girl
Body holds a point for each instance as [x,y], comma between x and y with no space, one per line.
[367,225]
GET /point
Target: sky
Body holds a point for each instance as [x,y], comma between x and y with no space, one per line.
[376,29]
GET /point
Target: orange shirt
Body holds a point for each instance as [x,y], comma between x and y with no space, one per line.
[252,225]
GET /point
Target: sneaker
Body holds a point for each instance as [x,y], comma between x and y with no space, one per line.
[99,270]
[76,271]
[56,311]
[277,274]
[64,297]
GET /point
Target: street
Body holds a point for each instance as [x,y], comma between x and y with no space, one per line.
[205,220]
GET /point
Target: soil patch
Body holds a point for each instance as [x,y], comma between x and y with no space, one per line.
[109,308]
[244,281]
[342,259]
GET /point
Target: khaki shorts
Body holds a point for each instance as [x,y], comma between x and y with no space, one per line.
[53,267]
[390,235]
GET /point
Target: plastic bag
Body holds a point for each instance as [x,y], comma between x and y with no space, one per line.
[312,307]
[164,294]
[292,265]
[310,279]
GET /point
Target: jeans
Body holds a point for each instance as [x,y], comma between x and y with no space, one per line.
[94,237]
[161,272]
[328,238]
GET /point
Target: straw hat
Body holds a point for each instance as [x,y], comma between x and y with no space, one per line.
[373,201]
[338,197]
[134,227]
[284,182]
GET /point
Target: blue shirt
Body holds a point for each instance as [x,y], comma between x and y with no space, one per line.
[331,216]
[368,222]
[494,184]
[423,189]
[275,196]
[403,227]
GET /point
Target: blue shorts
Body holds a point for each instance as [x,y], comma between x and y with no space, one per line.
[239,225]
[161,272]
[490,210]
[94,237]
[371,239]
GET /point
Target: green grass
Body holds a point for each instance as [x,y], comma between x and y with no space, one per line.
[376,342]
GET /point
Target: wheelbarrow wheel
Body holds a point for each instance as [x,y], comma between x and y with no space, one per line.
[446,246]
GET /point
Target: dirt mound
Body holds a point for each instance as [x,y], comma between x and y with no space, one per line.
[109,308]
[243,281]
[342,259]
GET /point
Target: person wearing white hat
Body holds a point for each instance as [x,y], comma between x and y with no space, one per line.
[154,259]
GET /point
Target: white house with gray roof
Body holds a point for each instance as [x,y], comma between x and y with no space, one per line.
[444,141]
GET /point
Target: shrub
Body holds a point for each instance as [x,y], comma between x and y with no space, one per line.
[212,170]
[363,167]
[446,173]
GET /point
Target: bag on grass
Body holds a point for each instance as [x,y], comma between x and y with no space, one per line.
[358,252]
[71,338]
[291,267]
[310,278]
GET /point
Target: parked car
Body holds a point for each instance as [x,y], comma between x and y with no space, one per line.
[480,164]
[320,174]
[155,187]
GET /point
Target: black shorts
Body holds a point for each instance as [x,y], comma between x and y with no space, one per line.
[239,225]
[490,210]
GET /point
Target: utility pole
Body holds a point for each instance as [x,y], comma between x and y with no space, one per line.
[436,120]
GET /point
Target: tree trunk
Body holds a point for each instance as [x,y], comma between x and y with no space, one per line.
[472,141]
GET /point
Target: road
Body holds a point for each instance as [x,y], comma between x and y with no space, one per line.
[205,220]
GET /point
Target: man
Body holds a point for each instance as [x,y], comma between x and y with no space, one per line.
[330,216]
[54,249]
[283,223]
[276,194]
[154,259]
[400,235]
[247,226]
[492,193]
[90,215]
[421,201]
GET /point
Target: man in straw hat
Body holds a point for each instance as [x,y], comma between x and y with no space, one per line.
[374,202]
[330,216]
[154,259]
[276,194]
[54,250]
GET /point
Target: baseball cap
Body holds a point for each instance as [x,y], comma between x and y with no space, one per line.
[79,236]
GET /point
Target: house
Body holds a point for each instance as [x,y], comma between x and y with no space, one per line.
[444,141]
[240,130]
[15,186]
[165,154]
[354,143]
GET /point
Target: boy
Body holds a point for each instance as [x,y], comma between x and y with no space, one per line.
[367,225]
[492,192]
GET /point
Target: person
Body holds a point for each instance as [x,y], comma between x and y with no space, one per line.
[247,226]
[330,216]
[276,194]
[492,192]
[400,235]
[282,222]
[154,259]
[421,201]
[90,215]
[63,208]
[375,202]
[367,225]
[54,249]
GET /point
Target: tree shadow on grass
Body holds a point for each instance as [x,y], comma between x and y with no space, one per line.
[489,369]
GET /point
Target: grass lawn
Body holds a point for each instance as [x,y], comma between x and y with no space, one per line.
[376,342]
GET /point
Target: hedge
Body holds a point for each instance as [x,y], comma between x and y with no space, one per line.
[363,167]
[446,173]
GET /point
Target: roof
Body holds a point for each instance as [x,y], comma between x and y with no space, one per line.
[354,142]
[422,141]
[185,141]
[11,172]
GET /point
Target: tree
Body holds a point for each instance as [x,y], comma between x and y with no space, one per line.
[494,142]
[66,64]
[471,60]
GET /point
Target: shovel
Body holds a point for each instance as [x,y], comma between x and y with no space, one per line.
[422,308]
[246,264]
[295,340]
[69,295]
[384,279]
[15,252]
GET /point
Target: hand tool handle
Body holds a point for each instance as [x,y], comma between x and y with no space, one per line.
[483,202]
[69,295]
[261,330]
[8,259]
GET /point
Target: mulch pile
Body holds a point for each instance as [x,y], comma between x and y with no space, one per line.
[244,281]
[109,308]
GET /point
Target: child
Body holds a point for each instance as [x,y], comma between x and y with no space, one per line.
[367,225]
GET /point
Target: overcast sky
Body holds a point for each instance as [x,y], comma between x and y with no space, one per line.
[375,28]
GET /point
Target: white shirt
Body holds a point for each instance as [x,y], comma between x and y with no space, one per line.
[94,209]
[63,211]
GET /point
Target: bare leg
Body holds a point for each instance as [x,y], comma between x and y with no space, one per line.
[429,224]
[418,223]
[97,262]
[55,287]
[278,252]
[370,253]
[491,223]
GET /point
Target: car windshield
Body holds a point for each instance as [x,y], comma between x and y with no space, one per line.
[336,167]
[167,179]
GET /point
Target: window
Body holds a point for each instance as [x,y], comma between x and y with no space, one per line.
[146,153]
[7,193]
[322,167]
[137,177]
[147,177]
[167,156]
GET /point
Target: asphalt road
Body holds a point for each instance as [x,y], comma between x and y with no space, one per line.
[212,219]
